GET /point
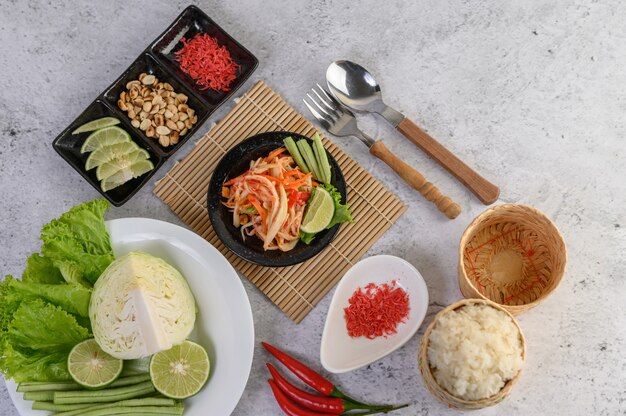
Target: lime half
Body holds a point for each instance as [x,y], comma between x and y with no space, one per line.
[91,367]
[107,153]
[319,213]
[181,371]
[122,176]
[97,124]
[126,161]
[104,137]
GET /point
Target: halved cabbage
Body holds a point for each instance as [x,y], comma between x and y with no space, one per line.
[140,305]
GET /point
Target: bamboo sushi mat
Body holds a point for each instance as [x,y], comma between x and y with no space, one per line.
[294,289]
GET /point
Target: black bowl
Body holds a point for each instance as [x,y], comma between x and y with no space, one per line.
[233,164]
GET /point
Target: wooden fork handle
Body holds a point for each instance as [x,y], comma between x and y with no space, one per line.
[446,205]
[485,191]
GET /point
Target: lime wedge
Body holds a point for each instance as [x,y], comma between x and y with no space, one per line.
[91,367]
[107,153]
[122,176]
[97,124]
[181,371]
[104,137]
[110,168]
[319,213]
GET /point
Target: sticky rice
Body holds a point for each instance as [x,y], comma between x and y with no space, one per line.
[474,350]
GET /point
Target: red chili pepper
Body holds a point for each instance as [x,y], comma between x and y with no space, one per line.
[289,407]
[309,376]
[304,373]
[333,405]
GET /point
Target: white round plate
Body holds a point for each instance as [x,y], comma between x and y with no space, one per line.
[339,352]
[224,321]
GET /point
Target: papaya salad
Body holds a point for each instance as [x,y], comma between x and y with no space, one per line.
[286,196]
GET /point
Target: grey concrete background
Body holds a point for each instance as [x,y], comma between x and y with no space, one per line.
[530,93]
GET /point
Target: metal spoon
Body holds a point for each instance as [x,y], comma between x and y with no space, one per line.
[357,89]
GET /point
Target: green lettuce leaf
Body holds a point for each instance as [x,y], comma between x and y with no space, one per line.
[8,305]
[33,365]
[37,342]
[78,243]
[38,325]
[40,269]
[71,297]
[42,317]
[306,238]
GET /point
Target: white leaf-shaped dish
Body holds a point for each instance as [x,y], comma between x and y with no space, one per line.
[339,352]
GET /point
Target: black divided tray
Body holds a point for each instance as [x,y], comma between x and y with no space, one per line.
[157,59]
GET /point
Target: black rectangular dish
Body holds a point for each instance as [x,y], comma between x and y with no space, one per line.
[146,63]
[190,23]
[159,60]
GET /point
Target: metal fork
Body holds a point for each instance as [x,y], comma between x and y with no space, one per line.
[341,122]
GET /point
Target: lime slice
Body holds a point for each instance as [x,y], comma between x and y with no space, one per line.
[104,137]
[122,176]
[107,153]
[110,168]
[319,213]
[181,371]
[91,367]
[97,124]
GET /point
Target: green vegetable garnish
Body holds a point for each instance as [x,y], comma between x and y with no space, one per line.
[78,243]
[322,158]
[40,269]
[37,341]
[71,297]
[45,314]
[292,148]
[309,158]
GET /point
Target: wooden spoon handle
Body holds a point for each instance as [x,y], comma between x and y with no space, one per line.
[446,205]
[485,191]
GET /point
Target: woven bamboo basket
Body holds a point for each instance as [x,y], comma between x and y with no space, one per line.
[442,394]
[512,255]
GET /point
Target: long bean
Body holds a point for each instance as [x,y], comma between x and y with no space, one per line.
[70,385]
[48,386]
[124,403]
[127,381]
[42,396]
[51,407]
[106,395]
[140,410]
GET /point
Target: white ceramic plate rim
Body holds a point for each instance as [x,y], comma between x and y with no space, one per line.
[338,296]
[122,231]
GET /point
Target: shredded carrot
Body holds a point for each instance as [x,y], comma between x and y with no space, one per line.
[278,191]
[294,172]
[270,177]
[274,153]
[297,183]
[376,310]
[259,208]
